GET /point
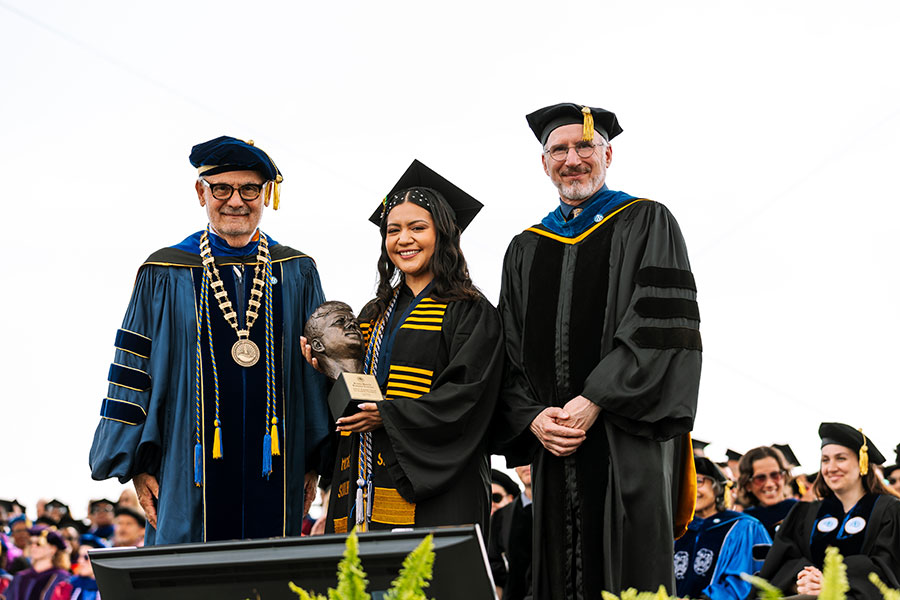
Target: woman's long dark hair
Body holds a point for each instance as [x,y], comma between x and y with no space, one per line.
[448,265]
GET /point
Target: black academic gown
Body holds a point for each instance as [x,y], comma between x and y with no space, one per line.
[609,314]
[873,549]
[440,378]
[509,549]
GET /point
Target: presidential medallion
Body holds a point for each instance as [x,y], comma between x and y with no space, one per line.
[245,352]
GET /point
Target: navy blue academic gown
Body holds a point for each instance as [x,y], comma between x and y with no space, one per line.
[149,418]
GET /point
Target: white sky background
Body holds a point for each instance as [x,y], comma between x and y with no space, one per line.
[770,129]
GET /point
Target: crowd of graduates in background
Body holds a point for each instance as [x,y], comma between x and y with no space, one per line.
[741,502]
[47,557]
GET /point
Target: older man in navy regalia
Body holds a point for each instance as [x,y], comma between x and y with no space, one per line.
[212,410]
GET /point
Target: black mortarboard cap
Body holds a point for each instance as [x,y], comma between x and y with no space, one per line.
[788,454]
[9,504]
[506,482]
[225,153]
[545,120]
[733,454]
[57,504]
[137,516]
[698,444]
[97,501]
[706,467]
[417,175]
[897,454]
[844,435]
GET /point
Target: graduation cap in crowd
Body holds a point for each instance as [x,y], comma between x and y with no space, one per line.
[897,454]
[59,505]
[706,467]
[225,153]
[788,454]
[99,503]
[888,470]
[425,182]
[844,435]
[545,120]
[506,482]
[10,506]
[134,514]
[699,446]
[733,454]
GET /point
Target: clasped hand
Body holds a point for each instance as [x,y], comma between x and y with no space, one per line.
[563,430]
[809,581]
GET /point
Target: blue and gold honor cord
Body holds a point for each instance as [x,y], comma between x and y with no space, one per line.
[364,488]
[210,280]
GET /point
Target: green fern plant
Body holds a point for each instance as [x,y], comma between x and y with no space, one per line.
[887,592]
[415,574]
[834,576]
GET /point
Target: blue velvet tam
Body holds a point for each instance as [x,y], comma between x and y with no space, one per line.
[225,153]
[89,539]
[545,120]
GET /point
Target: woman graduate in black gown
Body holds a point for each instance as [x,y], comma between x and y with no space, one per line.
[434,343]
[856,513]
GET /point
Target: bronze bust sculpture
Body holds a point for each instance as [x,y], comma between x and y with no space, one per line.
[333,334]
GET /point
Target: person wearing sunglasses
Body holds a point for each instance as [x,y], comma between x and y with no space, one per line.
[763,486]
[49,571]
[211,409]
[855,512]
[718,546]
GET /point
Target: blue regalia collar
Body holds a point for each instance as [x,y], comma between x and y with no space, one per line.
[593,210]
[219,246]
[713,521]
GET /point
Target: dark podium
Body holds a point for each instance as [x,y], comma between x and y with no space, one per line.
[261,569]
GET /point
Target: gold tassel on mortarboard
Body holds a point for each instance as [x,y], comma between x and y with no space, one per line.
[728,485]
[587,133]
[863,455]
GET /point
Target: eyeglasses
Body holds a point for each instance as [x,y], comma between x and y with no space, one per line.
[894,480]
[102,509]
[224,191]
[701,480]
[760,479]
[495,497]
[582,149]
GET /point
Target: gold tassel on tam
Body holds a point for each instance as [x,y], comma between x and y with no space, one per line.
[267,194]
[276,450]
[217,441]
[728,485]
[587,133]
[863,456]
[277,200]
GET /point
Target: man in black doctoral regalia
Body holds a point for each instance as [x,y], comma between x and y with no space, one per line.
[599,310]
[212,410]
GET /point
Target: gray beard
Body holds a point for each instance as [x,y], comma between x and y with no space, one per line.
[580,191]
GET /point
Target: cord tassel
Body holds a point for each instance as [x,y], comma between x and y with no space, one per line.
[276,450]
[360,512]
[217,441]
[277,199]
[587,131]
[198,464]
[267,456]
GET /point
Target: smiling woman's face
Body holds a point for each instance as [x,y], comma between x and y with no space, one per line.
[840,468]
[410,241]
